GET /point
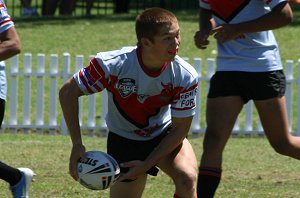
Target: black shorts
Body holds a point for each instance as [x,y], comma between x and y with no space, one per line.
[248,85]
[124,150]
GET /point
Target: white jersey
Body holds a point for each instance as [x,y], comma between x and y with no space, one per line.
[140,102]
[5,24]
[250,52]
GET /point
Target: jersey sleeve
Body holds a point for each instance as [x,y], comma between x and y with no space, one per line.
[5,20]
[184,103]
[91,79]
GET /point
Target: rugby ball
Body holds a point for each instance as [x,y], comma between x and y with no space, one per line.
[98,171]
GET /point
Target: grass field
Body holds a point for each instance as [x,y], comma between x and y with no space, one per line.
[251,167]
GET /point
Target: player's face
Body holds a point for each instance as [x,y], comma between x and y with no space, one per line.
[166,43]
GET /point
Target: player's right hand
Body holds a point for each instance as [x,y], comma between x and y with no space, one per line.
[78,151]
[201,39]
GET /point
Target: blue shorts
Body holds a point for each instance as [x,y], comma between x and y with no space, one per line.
[248,85]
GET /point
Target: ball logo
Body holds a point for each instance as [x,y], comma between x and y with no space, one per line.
[98,170]
[80,168]
[89,161]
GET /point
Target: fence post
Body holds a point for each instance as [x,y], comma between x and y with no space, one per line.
[79,65]
[40,93]
[27,91]
[195,128]
[66,73]
[288,94]
[91,115]
[104,110]
[53,93]
[13,116]
[249,116]
[298,100]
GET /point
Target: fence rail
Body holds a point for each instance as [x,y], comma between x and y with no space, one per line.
[35,89]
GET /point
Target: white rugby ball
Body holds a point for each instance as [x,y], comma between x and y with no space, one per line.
[98,171]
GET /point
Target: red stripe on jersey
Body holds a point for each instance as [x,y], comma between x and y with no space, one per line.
[97,87]
[2,5]
[182,109]
[82,78]
[268,1]
[100,71]
[227,10]
[92,72]
[4,22]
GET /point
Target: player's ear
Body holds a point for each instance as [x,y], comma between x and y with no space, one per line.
[145,42]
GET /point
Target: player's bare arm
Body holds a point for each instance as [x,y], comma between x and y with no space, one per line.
[206,24]
[68,96]
[10,44]
[179,130]
[280,16]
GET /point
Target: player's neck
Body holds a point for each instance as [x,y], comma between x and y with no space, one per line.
[151,62]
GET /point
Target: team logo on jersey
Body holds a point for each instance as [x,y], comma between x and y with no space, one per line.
[126,86]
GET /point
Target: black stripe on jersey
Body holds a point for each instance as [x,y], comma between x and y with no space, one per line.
[231,12]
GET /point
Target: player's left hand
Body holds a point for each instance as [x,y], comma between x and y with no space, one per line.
[136,168]
[225,32]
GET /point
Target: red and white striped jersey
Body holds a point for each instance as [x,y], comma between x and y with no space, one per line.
[140,102]
[5,21]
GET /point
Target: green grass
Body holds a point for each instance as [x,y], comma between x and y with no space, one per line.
[251,168]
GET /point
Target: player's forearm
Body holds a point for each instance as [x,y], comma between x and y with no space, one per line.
[10,44]
[8,49]
[170,142]
[69,104]
[205,19]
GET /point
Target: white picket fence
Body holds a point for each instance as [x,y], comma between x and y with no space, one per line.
[37,91]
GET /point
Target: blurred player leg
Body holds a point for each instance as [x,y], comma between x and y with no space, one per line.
[274,119]
[221,115]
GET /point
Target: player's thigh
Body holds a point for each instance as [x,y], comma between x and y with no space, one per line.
[180,163]
[274,118]
[132,189]
[221,115]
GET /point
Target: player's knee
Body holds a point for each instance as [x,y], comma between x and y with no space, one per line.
[281,147]
[186,180]
[212,140]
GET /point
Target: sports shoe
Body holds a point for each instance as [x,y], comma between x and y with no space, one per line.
[21,189]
